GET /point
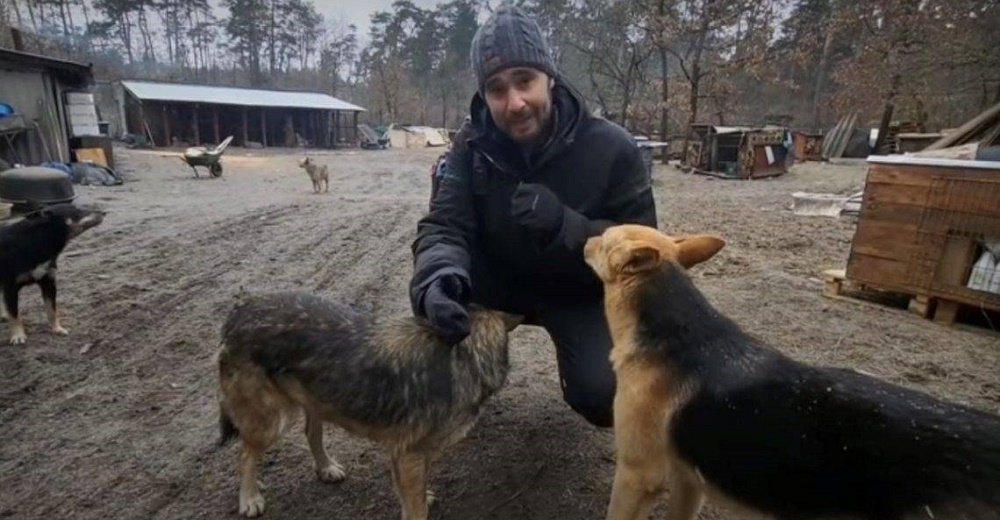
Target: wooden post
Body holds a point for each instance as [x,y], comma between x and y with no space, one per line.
[312,129]
[194,123]
[328,130]
[290,140]
[215,117]
[263,127]
[354,130]
[166,124]
[920,305]
[336,128]
[245,127]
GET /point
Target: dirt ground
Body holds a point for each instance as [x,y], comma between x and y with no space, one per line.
[118,420]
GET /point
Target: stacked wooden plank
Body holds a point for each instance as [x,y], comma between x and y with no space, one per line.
[983,129]
[836,141]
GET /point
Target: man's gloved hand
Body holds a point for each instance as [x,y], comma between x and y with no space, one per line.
[535,207]
[444,304]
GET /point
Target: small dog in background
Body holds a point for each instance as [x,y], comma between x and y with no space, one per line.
[29,248]
[318,174]
[730,418]
[388,380]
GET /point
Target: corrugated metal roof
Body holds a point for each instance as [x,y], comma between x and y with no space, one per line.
[151,91]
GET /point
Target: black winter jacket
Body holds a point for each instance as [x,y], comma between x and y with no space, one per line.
[591,164]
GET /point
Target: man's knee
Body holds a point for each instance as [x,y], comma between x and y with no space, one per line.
[593,400]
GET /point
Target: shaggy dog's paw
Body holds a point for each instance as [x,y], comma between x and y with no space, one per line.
[331,473]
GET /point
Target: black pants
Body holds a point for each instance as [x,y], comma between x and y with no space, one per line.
[581,336]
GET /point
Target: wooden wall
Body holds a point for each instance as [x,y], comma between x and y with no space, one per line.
[919,227]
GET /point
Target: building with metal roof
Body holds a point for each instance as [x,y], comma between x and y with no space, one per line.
[175,114]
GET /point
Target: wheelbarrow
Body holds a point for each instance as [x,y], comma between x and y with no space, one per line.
[209,158]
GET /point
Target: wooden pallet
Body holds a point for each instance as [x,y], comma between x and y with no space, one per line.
[941,310]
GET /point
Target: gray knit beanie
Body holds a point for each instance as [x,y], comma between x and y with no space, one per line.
[509,38]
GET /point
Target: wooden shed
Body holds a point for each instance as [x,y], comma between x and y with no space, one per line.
[924,224]
[173,114]
[739,152]
[44,121]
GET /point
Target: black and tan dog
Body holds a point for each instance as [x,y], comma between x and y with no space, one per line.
[727,417]
[317,174]
[389,380]
[29,248]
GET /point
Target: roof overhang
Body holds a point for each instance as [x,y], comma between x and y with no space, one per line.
[235,96]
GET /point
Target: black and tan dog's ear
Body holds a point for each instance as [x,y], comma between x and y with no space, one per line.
[695,249]
[634,259]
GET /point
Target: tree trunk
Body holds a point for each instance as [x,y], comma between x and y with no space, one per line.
[83,5]
[69,15]
[444,108]
[31,14]
[62,15]
[695,79]
[664,78]
[273,55]
[149,50]
[17,13]
[126,34]
[630,73]
[821,73]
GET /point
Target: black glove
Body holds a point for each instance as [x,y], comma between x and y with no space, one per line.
[444,303]
[535,207]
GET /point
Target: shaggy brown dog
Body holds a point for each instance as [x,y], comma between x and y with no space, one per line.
[728,417]
[388,380]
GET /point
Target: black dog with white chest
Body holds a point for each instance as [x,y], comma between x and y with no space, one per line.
[29,248]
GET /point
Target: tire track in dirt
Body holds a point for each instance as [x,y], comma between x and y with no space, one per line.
[370,275]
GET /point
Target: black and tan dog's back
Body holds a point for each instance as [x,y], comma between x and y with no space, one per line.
[389,380]
[730,418]
[29,249]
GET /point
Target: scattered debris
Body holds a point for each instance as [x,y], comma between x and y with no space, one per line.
[983,129]
[826,204]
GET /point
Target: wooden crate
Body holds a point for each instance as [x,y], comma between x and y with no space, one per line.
[808,146]
[920,224]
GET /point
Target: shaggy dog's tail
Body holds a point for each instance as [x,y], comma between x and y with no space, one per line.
[227,430]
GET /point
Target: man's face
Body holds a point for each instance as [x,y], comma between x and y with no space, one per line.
[520,102]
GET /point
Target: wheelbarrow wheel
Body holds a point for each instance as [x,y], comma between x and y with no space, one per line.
[215,169]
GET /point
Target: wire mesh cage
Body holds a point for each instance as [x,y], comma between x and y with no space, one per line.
[958,240]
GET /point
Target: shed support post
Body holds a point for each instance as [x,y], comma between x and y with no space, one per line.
[166,124]
[194,123]
[215,118]
[263,127]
